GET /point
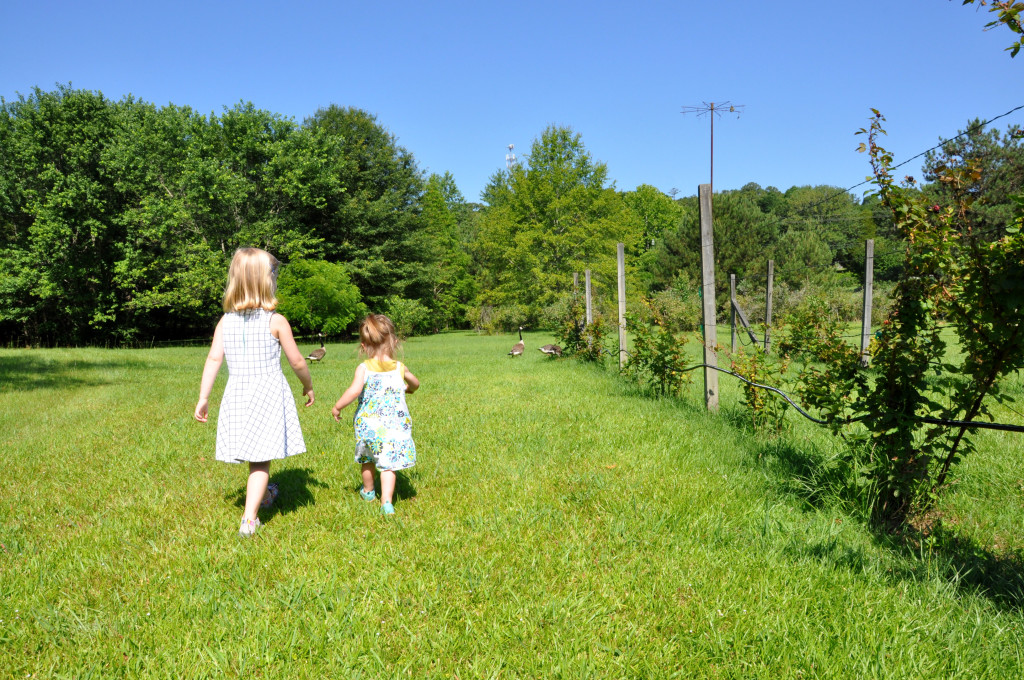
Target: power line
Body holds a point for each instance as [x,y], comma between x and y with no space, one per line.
[846,191]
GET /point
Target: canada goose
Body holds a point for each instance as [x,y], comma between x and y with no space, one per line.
[551,350]
[318,354]
[517,349]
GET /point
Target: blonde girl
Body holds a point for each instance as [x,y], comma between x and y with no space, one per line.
[383,427]
[257,422]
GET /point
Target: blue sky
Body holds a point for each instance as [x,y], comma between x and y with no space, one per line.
[456,82]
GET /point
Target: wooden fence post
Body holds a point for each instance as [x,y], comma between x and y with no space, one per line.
[732,308]
[869,285]
[621,252]
[768,304]
[590,308]
[707,259]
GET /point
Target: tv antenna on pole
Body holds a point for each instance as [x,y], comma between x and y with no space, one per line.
[711,110]
[510,157]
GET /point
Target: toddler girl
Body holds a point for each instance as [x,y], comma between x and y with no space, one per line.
[257,422]
[383,427]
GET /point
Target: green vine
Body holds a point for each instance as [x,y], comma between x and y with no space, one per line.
[767,410]
[657,360]
[953,277]
[580,339]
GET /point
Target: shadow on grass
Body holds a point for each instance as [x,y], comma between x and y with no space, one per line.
[26,372]
[810,475]
[942,552]
[738,417]
[296,491]
[635,390]
[963,563]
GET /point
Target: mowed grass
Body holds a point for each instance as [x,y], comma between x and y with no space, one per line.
[557,525]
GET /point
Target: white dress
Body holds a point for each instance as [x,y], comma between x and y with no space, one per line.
[258,420]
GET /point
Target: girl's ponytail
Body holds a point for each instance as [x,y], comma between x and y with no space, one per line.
[377,335]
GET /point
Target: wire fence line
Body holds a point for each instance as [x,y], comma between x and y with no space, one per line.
[1004,427]
[193,342]
[864,337]
[762,296]
[709,322]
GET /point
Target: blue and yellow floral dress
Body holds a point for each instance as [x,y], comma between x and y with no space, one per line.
[383,426]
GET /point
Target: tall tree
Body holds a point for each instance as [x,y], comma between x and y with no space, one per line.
[656,211]
[445,276]
[834,216]
[369,225]
[57,222]
[744,237]
[195,189]
[554,215]
[117,219]
[996,159]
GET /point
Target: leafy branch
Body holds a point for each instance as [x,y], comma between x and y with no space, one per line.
[1007,14]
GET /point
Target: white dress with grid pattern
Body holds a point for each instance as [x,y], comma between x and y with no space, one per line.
[258,420]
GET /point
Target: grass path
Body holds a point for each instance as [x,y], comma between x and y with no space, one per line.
[557,526]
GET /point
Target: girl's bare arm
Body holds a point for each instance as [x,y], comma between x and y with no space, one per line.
[213,362]
[282,330]
[412,383]
[352,393]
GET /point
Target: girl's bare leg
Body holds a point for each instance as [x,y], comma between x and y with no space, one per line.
[367,471]
[259,475]
[387,485]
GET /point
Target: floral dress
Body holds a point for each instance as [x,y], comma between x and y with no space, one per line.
[383,426]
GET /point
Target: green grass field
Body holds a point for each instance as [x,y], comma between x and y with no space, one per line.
[558,525]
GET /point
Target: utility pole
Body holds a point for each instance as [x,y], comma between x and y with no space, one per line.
[711,110]
[510,157]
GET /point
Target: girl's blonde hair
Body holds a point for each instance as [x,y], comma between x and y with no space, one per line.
[252,281]
[377,336]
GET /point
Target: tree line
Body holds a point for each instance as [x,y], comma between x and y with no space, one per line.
[118,219]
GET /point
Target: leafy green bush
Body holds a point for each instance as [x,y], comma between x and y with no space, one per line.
[491,319]
[594,347]
[317,296]
[657,360]
[551,316]
[830,377]
[951,278]
[580,339]
[881,303]
[679,308]
[767,410]
[409,316]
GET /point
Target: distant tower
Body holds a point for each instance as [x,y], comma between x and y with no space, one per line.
[510,157]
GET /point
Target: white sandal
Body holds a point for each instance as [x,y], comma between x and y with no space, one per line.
[249,527]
